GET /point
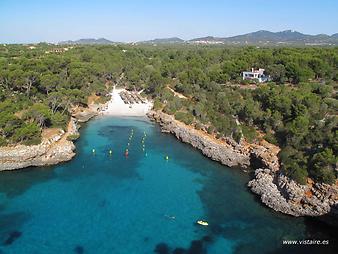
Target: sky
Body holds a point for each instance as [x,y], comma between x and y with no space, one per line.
[30,21]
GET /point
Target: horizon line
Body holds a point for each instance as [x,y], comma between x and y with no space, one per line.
[166,37]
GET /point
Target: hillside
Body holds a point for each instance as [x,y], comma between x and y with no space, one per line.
[283,37]
[89,41]
[262,37]
[164,41]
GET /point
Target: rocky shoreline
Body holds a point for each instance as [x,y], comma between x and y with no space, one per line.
[52,150]
[276,190]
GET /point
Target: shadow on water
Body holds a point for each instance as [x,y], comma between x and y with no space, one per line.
[199,246]
[236,214]
[16,182]
[233,213]
[10,225]
[79,249]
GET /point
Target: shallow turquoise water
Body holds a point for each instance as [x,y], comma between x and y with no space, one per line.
[140,204]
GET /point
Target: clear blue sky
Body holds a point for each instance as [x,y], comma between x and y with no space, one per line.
[134,20]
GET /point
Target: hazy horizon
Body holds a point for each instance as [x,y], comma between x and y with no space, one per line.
[131,20]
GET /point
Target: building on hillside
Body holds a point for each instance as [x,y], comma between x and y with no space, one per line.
[256,75]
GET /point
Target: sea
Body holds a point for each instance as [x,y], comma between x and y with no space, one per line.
[134,190]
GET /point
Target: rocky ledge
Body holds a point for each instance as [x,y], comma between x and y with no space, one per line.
[53,149]
[84,114]
[285,195]
[275,189]
[230,154]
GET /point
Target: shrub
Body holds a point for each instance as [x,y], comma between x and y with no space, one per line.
[300,175]
[237,135]
[249,133]
[184,117]
[32,141]
[210,129]
[73,137]
[3,141]
[157,104]
[198,126]
[59,120]
[322,166]
[169,110]
[28,134]
[271,138]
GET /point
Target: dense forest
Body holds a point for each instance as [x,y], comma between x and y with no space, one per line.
[298,111]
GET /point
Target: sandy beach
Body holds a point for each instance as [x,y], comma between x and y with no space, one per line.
[116,106]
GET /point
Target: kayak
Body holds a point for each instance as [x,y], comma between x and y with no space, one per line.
[203,223]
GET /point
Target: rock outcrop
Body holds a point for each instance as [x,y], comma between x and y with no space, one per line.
[285,195]
[53,149]
[276,190]
[85,114]
[230,153]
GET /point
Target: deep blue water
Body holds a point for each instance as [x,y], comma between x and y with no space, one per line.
[142,203]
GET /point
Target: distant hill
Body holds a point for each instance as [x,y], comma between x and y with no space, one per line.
[89,41]
[284,37]
[334,36]
[264,37]
[164,41]
[207,38]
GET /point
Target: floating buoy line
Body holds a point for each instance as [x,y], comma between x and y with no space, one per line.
[127,151]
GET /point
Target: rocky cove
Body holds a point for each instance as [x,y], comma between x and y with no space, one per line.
[276,190]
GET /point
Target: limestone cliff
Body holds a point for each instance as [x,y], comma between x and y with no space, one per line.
[275,189]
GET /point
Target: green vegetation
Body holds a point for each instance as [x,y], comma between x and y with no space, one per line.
[73,137]
[297,111]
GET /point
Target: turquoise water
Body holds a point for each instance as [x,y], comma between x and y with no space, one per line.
[142,203]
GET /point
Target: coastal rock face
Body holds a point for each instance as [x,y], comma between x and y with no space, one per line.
[227,154]
[276,190]
[51,150]
[85,114]
[285,195]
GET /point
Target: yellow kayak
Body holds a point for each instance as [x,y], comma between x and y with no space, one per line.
[203,223]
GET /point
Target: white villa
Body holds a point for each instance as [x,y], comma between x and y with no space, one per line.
[255,74]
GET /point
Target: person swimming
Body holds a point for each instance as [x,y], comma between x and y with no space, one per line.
[170,217]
